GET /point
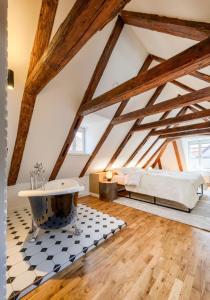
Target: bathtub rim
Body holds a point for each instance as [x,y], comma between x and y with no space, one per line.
[50,192]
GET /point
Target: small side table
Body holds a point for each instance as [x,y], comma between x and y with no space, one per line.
[107,190]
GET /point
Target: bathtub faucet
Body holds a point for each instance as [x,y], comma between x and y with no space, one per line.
[37,177]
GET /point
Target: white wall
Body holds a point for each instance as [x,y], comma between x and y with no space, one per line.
[3,143]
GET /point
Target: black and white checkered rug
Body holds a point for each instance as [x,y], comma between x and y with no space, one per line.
[31,264]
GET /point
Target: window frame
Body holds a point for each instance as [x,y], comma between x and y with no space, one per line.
[73,147]
[198,142]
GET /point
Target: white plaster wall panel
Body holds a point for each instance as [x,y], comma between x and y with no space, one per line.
[95,126]
[162,44]
[138,101]
[129,148]
[143,150]
[151,152]
[168,159]
[127,57]
[109,147]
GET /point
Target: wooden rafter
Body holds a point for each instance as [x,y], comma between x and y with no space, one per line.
[197,107]
[173,121]
[180,101]
[160,150]
[186,133]
[181,112]
[177,154]
[195,57]
[139,147]
[183,28]
[147,151]
[98,72]
[83,21]
[182,128]
[129,134]
[41,41]
[201,76]
[195,74]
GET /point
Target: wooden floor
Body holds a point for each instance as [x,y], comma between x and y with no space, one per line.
[153,258]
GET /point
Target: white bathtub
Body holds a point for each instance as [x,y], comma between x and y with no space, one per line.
[55,206]
[54,187]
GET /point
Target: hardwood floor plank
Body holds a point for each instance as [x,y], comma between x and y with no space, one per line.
[153,258]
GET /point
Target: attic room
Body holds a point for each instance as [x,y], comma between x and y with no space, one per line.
[105,149]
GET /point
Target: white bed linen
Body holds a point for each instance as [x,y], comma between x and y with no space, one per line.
[181,187]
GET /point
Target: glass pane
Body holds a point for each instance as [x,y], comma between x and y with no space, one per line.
[79,141]
[194,151]
[205,150]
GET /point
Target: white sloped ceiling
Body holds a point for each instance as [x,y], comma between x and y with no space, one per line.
[58,102]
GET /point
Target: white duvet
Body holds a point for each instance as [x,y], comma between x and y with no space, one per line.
[181,187]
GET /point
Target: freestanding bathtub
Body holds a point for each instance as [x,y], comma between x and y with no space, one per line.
[54,206]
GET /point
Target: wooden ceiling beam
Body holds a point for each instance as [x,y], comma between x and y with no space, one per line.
[160,150]
[129,134]
[181,112]
[181,64]
[83,21]
[195,74]
[183,28]
[180,101]
[197,107]
[186,133]
[138,148]
[201,76]
[173,121]
[182,128]
[41,41]
[95,79]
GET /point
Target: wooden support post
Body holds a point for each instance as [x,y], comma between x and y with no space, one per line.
[178,158]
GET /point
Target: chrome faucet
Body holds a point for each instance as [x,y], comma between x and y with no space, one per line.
[37,177]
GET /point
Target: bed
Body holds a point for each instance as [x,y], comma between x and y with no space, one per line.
[180,190]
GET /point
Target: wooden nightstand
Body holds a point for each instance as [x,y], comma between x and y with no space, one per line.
[107,190]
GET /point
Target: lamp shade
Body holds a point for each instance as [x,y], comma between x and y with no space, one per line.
[109,175]
[10,79]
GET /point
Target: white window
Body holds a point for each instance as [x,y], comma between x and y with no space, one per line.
[78,144]
[199,154]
